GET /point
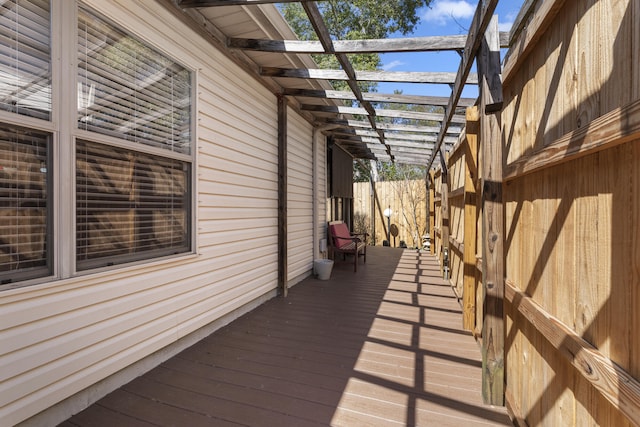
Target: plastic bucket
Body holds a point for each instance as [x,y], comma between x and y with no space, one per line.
[323,268]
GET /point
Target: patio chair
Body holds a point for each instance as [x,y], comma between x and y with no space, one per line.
[346,243]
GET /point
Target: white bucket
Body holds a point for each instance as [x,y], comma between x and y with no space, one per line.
[323,268]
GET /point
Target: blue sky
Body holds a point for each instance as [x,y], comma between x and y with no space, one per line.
[444,17]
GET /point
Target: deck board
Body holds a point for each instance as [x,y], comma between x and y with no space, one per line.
[380,347]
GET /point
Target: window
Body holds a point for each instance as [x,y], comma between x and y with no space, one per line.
[24,206]
[130,91]
[25,59]
[131,203]
[129,158]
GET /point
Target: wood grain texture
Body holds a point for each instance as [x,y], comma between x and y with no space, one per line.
[376,76]
[378,97]
[634,348]
[405,44]
[544,14]
[493,227]
[615,384]
[470,219]
[614,128]
[432,212]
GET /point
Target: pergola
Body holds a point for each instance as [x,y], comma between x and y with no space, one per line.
[358,126]
[284,65]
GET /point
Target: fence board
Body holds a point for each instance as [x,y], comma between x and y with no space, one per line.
[571,131]
[470,220]
[407,200]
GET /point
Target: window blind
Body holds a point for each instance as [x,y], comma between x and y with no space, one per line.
[25,59]
[24,206]
[128,90]
[130,205]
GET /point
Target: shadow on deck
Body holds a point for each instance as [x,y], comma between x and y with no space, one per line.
[380,347]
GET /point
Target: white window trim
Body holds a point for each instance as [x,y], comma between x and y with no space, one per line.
[64,130]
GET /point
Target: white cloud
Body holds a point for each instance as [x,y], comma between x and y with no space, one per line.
[391,65]
[505,26]
[440,12]
[509,18]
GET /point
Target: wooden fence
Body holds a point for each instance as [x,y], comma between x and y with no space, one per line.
[568,217]
[456,227]
[408,202]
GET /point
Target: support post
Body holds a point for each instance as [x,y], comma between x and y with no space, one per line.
[376,202]
[470,220]
[444,209]
[282,195]
[492,218]
[432,212]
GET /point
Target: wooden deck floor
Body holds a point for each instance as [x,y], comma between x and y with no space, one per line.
[381,347]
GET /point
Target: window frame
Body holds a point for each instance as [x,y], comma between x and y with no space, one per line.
[64,130]
[94,137]
[10,278]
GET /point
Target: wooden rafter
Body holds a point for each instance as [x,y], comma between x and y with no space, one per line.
[393,127]
[214,3]
[378,97]
[408,44]
[374,113]
[352,79]
[401,114]
[369,76]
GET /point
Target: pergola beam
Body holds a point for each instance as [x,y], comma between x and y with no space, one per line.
[401,114]
[214,3]
[393,127]
[409,44]
[378,97]
[433,77]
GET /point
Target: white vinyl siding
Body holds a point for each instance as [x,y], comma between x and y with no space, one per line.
[320,193]
[299,196]
[60,337]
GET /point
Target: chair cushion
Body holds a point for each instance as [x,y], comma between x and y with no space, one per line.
[341,234]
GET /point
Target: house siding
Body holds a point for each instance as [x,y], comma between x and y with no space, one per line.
[299,197]
[60,337]
[320,195]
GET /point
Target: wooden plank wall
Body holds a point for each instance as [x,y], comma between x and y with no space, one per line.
[464,185]
[405,198]
[571,171]
[571,129]
[456,166]
[436,241]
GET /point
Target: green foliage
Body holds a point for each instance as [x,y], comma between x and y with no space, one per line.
[361,223]
[361,171]
[356,20]
[389,171]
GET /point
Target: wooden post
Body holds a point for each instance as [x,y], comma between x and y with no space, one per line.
[470,220]
[282,195]
[432,212]
[493,218]
[444,208]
